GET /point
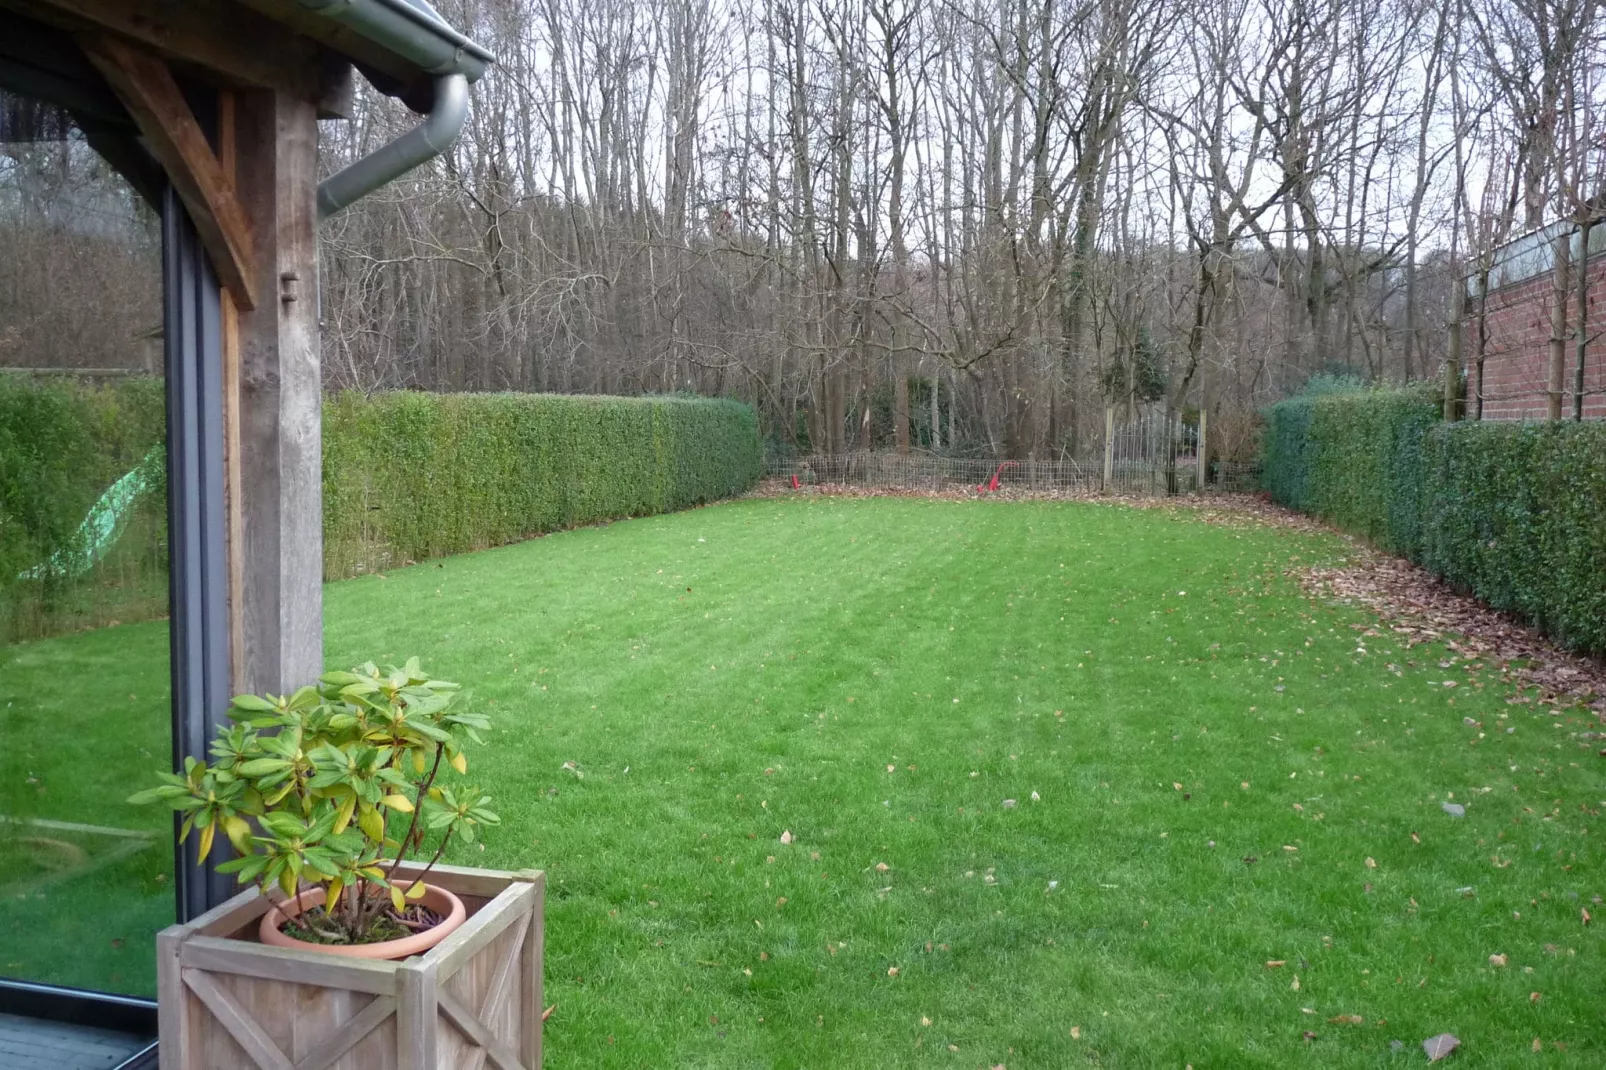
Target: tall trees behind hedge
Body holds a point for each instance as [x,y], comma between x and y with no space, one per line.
[961,225]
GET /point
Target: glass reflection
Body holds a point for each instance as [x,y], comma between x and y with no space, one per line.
[85,881]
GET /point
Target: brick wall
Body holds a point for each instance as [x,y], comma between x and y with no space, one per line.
[1516,366]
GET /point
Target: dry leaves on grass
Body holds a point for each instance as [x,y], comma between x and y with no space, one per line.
[1440,1046]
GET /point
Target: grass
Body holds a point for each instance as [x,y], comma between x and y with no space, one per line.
[720,677]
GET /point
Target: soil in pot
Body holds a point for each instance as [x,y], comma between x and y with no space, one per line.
[418,928]
[316,927]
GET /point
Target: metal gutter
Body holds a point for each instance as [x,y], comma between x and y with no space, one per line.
[424,142]
[412,30]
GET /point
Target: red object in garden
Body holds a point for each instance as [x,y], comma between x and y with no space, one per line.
[795,484]
[992,485]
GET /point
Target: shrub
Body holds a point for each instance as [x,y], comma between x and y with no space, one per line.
[1518,519]
[1514,514]
[406,476]
[409,475]
[63,442]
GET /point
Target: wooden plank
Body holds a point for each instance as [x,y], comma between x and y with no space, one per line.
[230,916]
[281,394]
[234,46]
[417,1016]
[486,883]
[172,1016]
[475,1030]
[221,955]
[504,978]
[532,965]
[452,953]
[348,1034]
[152,96]
[227,139]
[239,1023]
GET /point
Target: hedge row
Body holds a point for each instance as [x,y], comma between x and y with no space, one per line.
[1514,514]
[63,442]
[1354,459]
[409,476]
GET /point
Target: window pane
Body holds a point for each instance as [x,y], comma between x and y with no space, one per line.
[85,879]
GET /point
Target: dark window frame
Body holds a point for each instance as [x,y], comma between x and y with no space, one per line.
[198,586]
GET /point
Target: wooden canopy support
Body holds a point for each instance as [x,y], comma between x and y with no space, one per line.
[231,44]
[153,98]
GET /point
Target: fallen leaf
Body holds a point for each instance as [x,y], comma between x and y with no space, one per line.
[1534,997]
[1175,785]
[1309,1036]
[1295,985]
[1347,1019]
[1538,1045]
[1036,797]
[1454,810]
[881,867]
[1584,913]
[1371,863]
[1498,960]
[1009,804]
[786,837]
[1415,838]
[1272,964]
[892,971]
[1440,1046]
[1076,1032]
[548,1012]
[924,1020]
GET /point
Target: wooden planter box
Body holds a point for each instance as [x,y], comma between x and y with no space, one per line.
[228,1002]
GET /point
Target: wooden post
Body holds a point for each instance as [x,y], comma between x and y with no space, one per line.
[1204,461]
[279,616]
[1109,445]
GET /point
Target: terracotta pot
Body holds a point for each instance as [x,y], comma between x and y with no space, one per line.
[437,899]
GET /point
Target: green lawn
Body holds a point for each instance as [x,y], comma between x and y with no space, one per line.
[1222,778]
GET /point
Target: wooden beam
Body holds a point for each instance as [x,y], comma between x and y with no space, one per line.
[234,45]
[280,611]
[152,96]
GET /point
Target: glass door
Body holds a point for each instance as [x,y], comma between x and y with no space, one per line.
[85,685]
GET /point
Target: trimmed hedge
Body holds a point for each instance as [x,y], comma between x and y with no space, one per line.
[1518,518]
[63,442]
[406,476]
[1514,514]
[1353,459]
[409,475]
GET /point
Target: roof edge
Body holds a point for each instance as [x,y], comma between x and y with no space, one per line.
[412,31]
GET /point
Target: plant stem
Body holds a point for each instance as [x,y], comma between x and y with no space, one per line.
[418,804]
[444,841]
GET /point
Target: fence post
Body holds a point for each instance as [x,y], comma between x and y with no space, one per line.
[1204,471]
[1109,445]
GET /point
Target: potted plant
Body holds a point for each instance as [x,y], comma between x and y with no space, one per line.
[339,802]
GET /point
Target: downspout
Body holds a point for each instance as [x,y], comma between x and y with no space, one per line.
[424,142]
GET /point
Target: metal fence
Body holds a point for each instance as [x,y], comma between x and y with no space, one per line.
[1154,454]
[926,471]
